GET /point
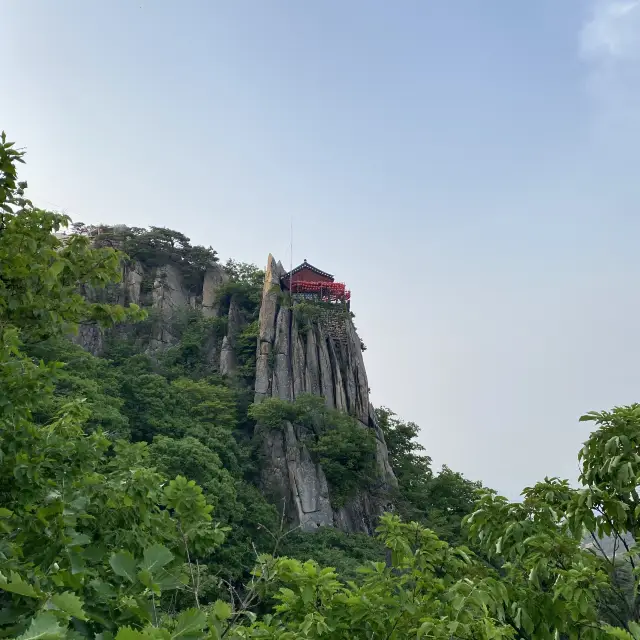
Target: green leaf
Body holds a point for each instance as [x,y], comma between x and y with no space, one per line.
[527,623]
[70,604]
[17,585]
[517,619]
[620,634]
[78,539]
[77,562]
[56,268]
[124,565]
[147,580]
[190,624]
[463,555]
[127,633]
[94,553]
[167,581]
[156,557]
[308,593]
[425,628]
[221,610]
[44,627]
[103,589]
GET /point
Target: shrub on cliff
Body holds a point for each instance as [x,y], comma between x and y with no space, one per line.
[344,448]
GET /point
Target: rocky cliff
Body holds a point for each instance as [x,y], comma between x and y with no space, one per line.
[165,293]
[321,356]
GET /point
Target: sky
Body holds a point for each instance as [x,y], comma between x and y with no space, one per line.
[468,168]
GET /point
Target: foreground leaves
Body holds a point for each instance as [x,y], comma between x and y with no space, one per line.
[44,626]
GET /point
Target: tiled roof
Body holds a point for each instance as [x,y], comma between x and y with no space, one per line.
[306,265]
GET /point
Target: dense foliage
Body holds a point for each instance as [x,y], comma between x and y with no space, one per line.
[345,450]
[438,501]
[113,469]
[153,247]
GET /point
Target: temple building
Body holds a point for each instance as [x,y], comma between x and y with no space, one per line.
[307,282]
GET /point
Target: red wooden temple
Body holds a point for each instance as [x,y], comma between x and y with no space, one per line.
[307,281]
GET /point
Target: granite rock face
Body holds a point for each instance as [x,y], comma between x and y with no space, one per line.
[132,277]
[235,322]
[163,292]
[168,297]
[323,358]
[90,338]
[214,278]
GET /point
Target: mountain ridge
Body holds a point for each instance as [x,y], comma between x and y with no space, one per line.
[300,348]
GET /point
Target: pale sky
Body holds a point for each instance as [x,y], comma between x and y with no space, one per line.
[468,167]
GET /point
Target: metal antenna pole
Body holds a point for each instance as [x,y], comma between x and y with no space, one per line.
[291,262]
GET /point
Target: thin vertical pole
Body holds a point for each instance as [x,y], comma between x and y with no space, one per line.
[291,262]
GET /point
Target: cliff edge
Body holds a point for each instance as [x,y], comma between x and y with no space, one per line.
[321,355]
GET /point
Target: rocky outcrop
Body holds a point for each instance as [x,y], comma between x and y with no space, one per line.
[168,296]
[267,328]
[235,322]
[322,357]
[132,277]
[214,278]
[90,338]
[163,292]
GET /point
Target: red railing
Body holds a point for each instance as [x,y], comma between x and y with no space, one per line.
[327,291]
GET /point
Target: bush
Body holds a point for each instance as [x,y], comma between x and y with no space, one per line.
[273,413]
[338,442]
[198,338]
[347,455]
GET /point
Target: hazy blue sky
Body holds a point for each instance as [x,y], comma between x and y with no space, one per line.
[469,168]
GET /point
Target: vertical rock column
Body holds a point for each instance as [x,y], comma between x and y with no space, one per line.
[168,296]
[324,359]
[214,278]
[228,349]
[132,277]
[267,329]
[289,473]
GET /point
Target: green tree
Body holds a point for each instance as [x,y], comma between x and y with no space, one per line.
[429,590]
[342,446]
[438,501]
[189,457]
[153,247]
[347,454]
[346,553]
[199,338]
[82,376]
[543,536]
[91,533]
